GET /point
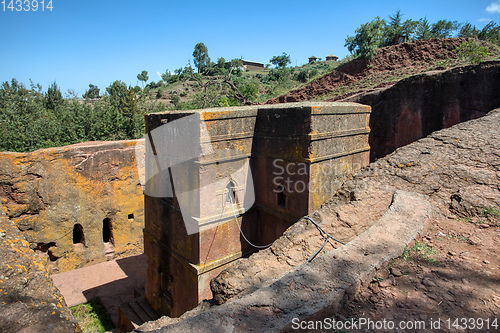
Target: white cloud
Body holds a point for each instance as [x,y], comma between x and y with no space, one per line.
[159,75]
[494,7]
[484,19]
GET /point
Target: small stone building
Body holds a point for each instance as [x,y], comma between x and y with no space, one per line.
[312,59]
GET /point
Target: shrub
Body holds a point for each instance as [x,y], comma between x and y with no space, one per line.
[303,75]
[472,51]
[175,99]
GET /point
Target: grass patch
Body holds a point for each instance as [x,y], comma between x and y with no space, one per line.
[419,251]
[92,317]
[491,211]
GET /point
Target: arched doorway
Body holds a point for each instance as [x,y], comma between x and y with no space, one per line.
[78,235]
[107,231]
[108,239]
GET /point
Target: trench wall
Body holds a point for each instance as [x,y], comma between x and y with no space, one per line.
[419,105]
[46,193]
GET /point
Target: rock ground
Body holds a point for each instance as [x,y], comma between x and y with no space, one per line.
[454,275]
[298,243]
[320,287]
[459,169]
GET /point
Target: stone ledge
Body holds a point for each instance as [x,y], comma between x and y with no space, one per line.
[319,289]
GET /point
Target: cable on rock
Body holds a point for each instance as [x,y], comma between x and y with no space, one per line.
[325,234]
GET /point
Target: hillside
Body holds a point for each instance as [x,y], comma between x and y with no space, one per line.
[391,64]
[32,119]
[193,90]
[322,80]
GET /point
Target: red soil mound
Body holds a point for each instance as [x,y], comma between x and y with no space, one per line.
[402,56]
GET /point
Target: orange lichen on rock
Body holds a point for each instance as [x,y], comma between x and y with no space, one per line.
[60,197]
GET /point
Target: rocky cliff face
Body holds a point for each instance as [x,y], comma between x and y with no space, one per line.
[419,105]
[80,204]
[29,301]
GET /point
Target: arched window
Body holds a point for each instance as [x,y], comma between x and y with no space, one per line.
[78,235]
[231,193]
[107,231]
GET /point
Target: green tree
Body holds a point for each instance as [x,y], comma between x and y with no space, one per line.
[120,112]
[166,76]
[221,62]
[93,92]
[396,28]
[53,96]
[423,29]
[236,66]
[303,75]
[250,90]
[472,51]
[201,58]
[117,92]
[444,29]
[218,68]
[468,31]
[369,37]
[490,32]
[281,61]
[27,123]
[143,77]
[130,122]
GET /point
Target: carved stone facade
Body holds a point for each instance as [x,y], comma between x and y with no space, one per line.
[299,154]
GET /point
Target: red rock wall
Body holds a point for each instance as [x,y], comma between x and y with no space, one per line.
[48,191]
[422,104]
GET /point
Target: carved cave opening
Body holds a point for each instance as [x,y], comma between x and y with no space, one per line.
[107,231]
[78,235]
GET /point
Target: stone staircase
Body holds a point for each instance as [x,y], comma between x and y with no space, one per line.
[109,251]
[133,314]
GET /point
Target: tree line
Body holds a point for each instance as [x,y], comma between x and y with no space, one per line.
[31,119]
[378,33]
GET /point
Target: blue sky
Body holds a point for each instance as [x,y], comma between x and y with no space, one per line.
[82,42]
